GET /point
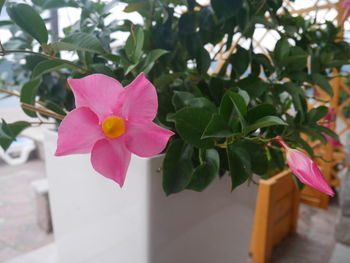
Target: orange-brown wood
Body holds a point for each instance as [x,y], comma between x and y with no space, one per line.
[276,215]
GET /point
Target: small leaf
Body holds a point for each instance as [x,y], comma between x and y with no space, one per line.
[203,61]
[79,42]
[240,165]
[28,94]
[282,50]
[190,124]
[260,111]
[240,60]
[266,121]
[206,172]
[151,58]
[177,167]
[226,9]
[322,81]
[29,21]
[47,66]
[217,128]
[9,132]
[239,105]
[317,114]
[134,45]
[2,2]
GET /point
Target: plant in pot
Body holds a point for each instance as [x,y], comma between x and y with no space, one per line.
[224,122]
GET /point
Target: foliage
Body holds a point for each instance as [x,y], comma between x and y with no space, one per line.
[224,121]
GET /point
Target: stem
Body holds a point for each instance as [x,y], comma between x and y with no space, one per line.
[281,142]
[18,95]
[42,111]
[9,51]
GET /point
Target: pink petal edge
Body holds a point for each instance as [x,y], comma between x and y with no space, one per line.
[140,102]
[78,132]
[146,139]
[111,159]
[101,93]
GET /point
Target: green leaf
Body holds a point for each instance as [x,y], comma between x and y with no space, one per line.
[239,164]
[201,103]
[53,4]
[253,85]
[9,132]
[239,105]
[135,7]
[317,114]
[260,111]
[179,98]
[217,128]
[244,95]
[177,167]
[2,2]
[28,94]
[151,58]
[29,21]
[79,42]
[327,131]
[226,9]
[206,172]
[240,60]
[282,50]
[203,61]
[323,82]
[47,66]
[191,123]
[266,121]
[134,44]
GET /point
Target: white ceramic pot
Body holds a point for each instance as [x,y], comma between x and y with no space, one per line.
[97,222]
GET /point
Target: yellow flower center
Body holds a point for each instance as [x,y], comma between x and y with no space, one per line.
[113,126]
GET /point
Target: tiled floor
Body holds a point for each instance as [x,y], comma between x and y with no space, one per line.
[19,232]
[314,241]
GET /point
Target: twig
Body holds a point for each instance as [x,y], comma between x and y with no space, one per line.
[18,95]
[42,111]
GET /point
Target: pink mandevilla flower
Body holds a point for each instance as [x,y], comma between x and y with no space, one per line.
[346,5]
[305,169]
[112,122]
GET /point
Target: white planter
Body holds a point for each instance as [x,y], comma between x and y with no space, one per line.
[97,222]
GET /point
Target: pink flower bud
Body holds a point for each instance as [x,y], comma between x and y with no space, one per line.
[305,169]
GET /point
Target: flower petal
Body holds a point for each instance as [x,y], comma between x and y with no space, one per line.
[141,101]
[78,132]
[102,94]
[111,159]
[146,139]
[307,171]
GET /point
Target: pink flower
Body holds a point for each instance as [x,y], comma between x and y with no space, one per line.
[305,169]
[112,122]
[346,5]
[331,117]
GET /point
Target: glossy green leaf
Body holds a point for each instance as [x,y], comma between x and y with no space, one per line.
[134,44]
[266,121]
[191,123]
[240,106]
[2,2]
[206,172]
[323,82]
[227,8]
[240,60]
[179,98]
[29,21]
[282,50]
[217,128]
[177,167]
[203,61]
[79,42]
[260,111]
[28,93]
[253,85]
[47,66]
[9,132]
[151,59]
[53,4]
[240,165]
[317,114]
